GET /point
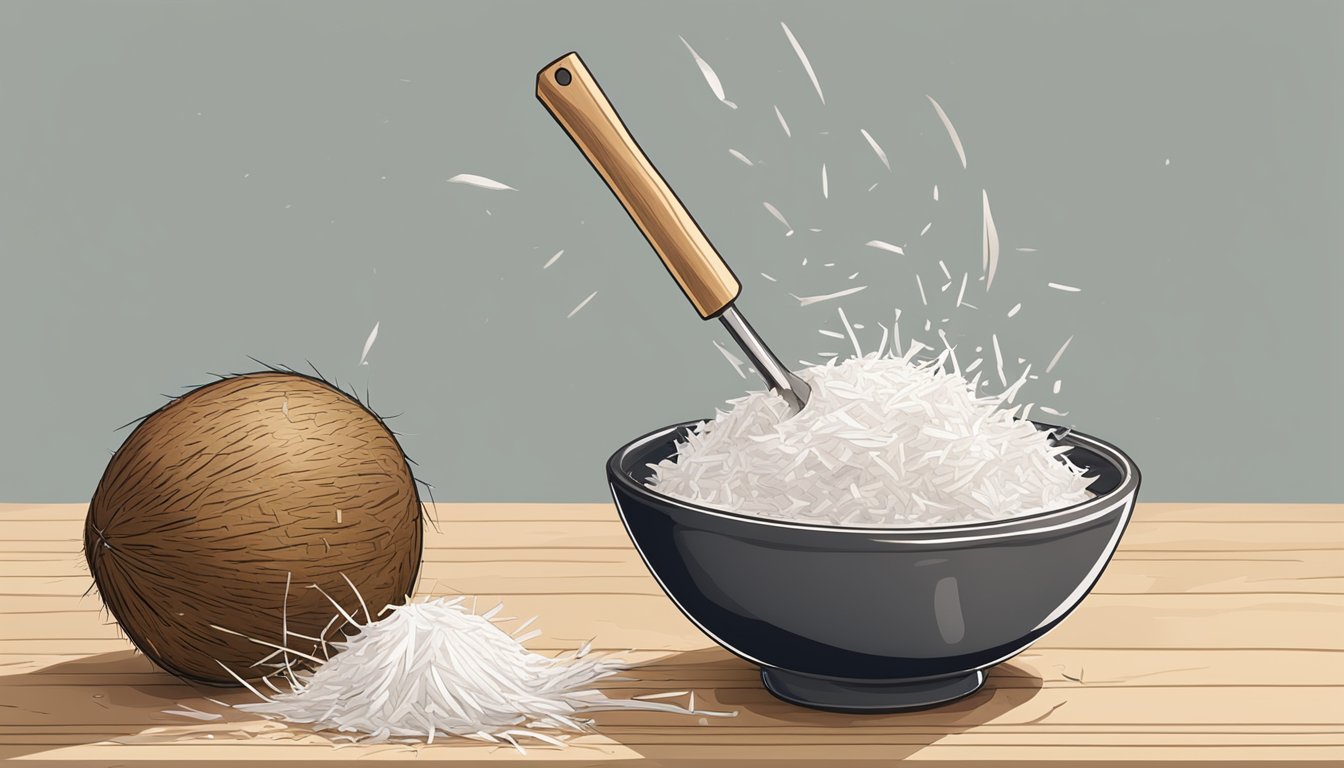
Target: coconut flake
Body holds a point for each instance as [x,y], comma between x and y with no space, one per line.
[998,359]
[710,76]
[951,132]
[990,243]
[807,300]
[368,344]
[935,193]
[850,330]
[1015,309]
[881,155]
[922,297]
[732,359]
[885,246]
[885,442]
[479,181]
[1058,355]
[807,65]
[435,668]
[767,277]
[783,124]
[775,212]
[553,259]
[825,185]
[1025,250]
[961,294]
[1065,288]
[1058,384]
[925,230]
[582,304]
[740,156]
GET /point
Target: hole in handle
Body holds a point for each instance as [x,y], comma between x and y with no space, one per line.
[563,77]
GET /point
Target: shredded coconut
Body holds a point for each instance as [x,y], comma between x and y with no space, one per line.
[883,442]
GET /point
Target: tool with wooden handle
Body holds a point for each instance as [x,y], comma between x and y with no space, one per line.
[573,97]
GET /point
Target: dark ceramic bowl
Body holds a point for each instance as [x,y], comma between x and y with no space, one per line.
[873,619]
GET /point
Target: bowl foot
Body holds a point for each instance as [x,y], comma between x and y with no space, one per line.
[865,697]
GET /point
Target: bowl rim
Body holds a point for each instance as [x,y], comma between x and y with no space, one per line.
[1036,522]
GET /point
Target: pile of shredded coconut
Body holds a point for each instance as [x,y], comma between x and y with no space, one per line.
[883,442]
[435,667]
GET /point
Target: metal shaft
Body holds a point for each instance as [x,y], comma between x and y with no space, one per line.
[784,382]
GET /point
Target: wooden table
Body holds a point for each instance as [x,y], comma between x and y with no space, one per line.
[1216,634]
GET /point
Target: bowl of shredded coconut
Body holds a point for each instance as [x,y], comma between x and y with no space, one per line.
[881,549]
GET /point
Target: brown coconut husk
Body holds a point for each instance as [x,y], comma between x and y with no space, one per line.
[232,495]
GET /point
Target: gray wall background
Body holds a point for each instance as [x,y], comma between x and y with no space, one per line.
[184,185]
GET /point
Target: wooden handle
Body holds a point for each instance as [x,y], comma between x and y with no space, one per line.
[574,99]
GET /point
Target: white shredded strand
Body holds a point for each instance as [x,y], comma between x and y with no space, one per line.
[802,57]
[1015,309]
[435,668]
[998,359]
[990,243]
[368,344]
[553,259]
[884,442]
[951,132]
[767,277]
[825,184]
[1065,288]
[733,360]
[1058,355]
[479,181]
[883,245]
[775,212]
[582,304]
[920,282]
[925,230]
[782,124]
[710,77]
[740,156]
[850,330]
[807,300]
[881,155]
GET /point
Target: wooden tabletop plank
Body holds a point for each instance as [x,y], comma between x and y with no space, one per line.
[1214,635]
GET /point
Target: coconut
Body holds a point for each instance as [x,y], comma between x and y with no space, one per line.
[242,514]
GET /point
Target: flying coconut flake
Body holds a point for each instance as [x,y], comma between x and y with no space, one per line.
[1065,288]
[435,668]
[870,189]
[825,184]
[783,124]
[1025,250]
[1058,384]
[1168,161]
[775,212]
[951,130]
[1015,309]
[851,277]
[582,304]
[884,442]
[850,330]
[767,277]
[740,156]
[885,246]
[935,193]
[998,360]
[553,259]
[943,266]
[876,148]
[1058,355]
[732,359]
[1053,412]
[368,344]
[479,181]
[804,301]
[961,294]
[990,243]
[925,230]
[920,282]
[832,334]
[807,65]
[710,76]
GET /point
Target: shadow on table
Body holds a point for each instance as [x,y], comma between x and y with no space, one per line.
[121,698]
[767,728]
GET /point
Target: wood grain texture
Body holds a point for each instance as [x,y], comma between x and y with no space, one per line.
[1214,635]
[573,97]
